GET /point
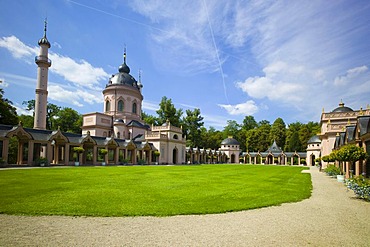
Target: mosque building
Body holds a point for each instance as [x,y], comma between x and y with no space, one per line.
[117,136]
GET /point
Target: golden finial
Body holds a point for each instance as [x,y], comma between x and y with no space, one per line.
[368,107]
[361,113]
[323,110]
[349,122]
[337,134]
[341,104]
[329,121]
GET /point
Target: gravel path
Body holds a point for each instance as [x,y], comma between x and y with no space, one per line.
[331,217]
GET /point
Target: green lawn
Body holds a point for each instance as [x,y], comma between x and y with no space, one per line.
[149,190]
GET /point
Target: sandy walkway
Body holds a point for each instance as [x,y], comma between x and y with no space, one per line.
[331,217]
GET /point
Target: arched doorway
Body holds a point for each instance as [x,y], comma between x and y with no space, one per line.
[232,158]
[313,160]
[174,155]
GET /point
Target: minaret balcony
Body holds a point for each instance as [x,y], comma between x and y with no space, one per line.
[42,60]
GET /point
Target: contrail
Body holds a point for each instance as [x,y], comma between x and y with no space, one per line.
[216,50]
[117,16]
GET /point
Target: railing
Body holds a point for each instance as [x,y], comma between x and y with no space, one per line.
[42,59]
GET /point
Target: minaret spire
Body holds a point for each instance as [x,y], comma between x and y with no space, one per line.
[41,98]
[124,54]
[45,26]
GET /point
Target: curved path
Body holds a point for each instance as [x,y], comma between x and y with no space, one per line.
[331,217]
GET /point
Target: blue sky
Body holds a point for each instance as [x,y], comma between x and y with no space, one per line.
[229,58]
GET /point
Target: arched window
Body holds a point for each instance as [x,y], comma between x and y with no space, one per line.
[104,134]
[134,108]
[107,106]
[175,137]
[118,135]
[120,105]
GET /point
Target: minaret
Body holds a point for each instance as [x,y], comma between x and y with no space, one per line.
[43,64]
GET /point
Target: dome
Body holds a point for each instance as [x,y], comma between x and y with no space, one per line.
[230,141]
[123,77]
[314,139]
[123,68]
[44,41]
[342,108]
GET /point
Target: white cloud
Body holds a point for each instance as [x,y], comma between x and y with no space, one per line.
[82,73]
[22,111]
[217,122]
[17,48]
[74,97]
[147,105]
[247,108]
[274,85]
[56,44]
[350,75]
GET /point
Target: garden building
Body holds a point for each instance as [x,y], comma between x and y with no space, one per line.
[339,127]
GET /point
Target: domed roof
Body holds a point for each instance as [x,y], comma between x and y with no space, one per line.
[314,139]
[342,108]
[123,77]
[230,141]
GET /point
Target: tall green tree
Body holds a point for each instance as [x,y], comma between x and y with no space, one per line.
[68,120]
[263,131]
[249,123]
[192,123]
[293,142]
[231,129]
[252,140]
[8,113]
[167,111]
[278,132]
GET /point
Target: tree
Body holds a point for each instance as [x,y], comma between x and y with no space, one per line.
[8,113]
[68,120]
[278,132]
[51,112]
[211,138]
[149,119]
[350,153]
[27,120]
[191,127]
[251,140]
[293,142]
[167,111]
[249,123]
[263,134]
[231,129]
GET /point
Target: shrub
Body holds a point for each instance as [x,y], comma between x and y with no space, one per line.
[41,162]
[332,170]
[361,187]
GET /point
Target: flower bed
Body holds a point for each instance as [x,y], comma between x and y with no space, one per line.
[361,187]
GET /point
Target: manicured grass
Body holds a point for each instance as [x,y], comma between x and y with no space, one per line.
[149,190]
